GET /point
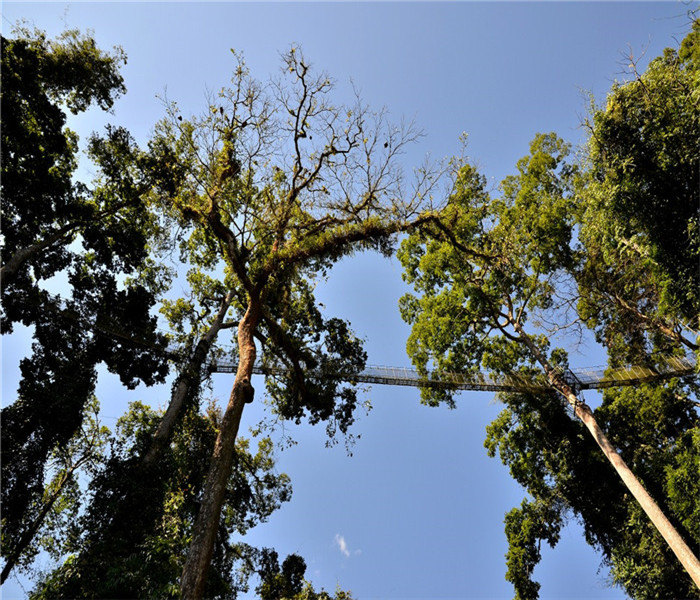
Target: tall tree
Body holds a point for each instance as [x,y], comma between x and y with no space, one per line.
[655,428]
[135,486]
[279,183]
[637,285]
[97,239]
[487,273]
[42,207]
[641,222]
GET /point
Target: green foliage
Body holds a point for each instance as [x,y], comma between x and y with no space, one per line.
[268,188]
[494,274]
[136,549]
[274,185]
[488,267]
[97,239]
[252,234]
[277,185]
[280,582]
[286,582]
[554,459]
[330,352]
[525,528]
[48,521]
[641,223]
[487,264]
[638,285]
[40,202]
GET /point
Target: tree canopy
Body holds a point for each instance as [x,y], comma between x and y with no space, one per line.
[639,279]
[138,564]
[96,238]
[262,193]
[276,184]
[567,244]
[221,226]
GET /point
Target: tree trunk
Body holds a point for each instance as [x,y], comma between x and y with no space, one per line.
[194,574]
[28,536]
[189,378]
[666,529]
[684,554]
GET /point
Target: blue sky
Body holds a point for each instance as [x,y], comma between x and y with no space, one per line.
[417,511]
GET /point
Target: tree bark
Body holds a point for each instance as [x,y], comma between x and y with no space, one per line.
[684,554]
[189,378]
[194,574]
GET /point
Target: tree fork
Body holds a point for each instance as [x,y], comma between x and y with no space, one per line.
[184,385]
[194,573]
[674,540]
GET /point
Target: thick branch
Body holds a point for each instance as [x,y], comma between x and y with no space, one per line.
[24,254]
[362,232]
[201,550]
[287,345]
[449,234]
[655,323]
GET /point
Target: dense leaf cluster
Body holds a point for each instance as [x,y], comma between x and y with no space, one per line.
[135,549]
[554,459]
[286,581]
[641,221]
[611,243]
[57,228]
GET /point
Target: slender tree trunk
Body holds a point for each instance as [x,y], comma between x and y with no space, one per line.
[28,536]
[194,574]
[189,378]
[24,254]
[658,518]
[684,554]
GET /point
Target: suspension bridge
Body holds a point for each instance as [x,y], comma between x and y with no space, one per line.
[587,378]
[590,378]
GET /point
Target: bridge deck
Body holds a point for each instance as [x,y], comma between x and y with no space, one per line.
[584,379]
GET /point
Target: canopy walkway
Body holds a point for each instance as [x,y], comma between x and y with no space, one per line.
[589,378]
[581,379]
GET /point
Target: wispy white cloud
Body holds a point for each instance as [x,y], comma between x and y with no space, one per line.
[342,545]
